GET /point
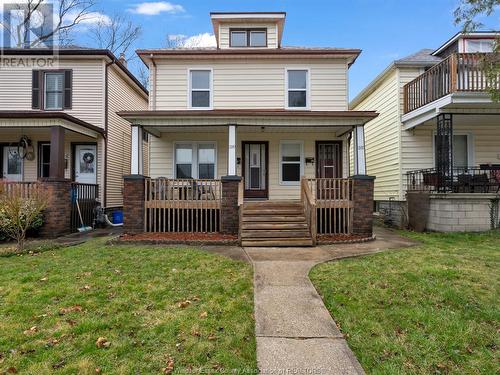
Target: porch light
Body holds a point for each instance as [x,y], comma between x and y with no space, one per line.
[309,161]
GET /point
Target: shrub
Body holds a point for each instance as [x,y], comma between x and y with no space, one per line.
[21,210]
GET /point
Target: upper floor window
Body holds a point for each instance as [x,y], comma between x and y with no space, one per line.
[479,45]
[248,38]
[297,86]
[52,90]
[200,88]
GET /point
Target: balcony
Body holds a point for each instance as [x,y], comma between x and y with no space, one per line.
[459,72]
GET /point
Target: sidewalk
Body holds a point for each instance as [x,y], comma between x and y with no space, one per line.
[294,330]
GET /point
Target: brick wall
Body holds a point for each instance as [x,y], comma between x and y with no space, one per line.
[133,204]
[230,220]
[362,196]
[57,215]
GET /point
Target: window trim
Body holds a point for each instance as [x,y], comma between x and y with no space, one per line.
[211,88]
[470,148]
[195,168]
[248,32]
[308,89]
[281,162]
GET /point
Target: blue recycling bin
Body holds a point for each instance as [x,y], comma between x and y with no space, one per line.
[117,217]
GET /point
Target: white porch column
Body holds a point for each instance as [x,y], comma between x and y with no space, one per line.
[359,150]
[231,157]
[136,166]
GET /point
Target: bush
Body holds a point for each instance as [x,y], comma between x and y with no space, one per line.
[21,210]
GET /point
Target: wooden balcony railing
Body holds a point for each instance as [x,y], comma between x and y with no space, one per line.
[458,72]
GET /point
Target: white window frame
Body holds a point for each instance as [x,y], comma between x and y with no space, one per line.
[194,145]
[281,162]
[470,148]
[211,88]
[308,88]
[45,74]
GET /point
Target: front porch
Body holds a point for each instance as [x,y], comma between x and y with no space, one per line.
[208,177]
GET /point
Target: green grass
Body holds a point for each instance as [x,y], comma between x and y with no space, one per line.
[130,295]
[431,309]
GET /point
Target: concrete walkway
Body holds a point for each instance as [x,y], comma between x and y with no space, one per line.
[294,330]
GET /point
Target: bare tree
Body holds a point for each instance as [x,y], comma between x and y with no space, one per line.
[175,41]
[143,76]
[53,20]
[116,33]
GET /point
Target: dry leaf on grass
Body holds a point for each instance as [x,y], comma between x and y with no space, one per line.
[170,366]
[102,342]
[74,308]
[44,279]
[184,304]
[31,331]
[212,337]
[203,315]
[11,370]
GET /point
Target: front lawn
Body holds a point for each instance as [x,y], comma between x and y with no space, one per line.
[123,309]
[432,309]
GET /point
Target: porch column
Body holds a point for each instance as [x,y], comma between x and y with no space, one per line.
[359,150]
[136,163]
[444,151]
[56,168]
[231,157]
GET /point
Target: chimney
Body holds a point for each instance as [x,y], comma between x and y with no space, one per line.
[122,59]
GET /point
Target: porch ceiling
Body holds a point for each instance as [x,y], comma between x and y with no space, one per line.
[31,120]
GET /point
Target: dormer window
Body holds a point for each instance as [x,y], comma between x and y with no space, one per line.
[242,38]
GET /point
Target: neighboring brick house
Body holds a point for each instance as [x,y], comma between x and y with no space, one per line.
[250,109]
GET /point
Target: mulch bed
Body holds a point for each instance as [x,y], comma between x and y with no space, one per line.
[326,239]
[193,239]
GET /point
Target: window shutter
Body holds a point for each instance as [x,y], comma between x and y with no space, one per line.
[35,90]
[68,92]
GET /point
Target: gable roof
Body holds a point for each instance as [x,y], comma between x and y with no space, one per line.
[76,51]
[420,59]
[475,34]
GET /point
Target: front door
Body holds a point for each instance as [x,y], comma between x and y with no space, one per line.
[329,159]
[86,164]
[12,164]
[255,155]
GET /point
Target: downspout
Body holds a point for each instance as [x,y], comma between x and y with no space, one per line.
[154,82]
[106,111]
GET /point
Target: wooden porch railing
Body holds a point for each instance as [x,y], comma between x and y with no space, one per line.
[306,196]
[332,198]
[15,187]
[182,205]
[458,72]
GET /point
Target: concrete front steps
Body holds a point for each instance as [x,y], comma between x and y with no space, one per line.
[274,223]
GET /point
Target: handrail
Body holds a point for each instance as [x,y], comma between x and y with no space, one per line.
[309,205]
[458,72]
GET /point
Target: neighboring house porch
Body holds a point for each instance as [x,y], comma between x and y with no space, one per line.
[275,177]
[455,142]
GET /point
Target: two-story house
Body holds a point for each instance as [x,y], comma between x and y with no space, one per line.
[254,110]
[437,138]
[58,118]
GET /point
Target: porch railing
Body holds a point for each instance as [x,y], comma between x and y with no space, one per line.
[482,179]
[458,72]
[306,196]
[86,195]
[25,189]
[182,205]
[333,200]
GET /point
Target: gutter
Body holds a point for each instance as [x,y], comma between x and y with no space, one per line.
[154,81]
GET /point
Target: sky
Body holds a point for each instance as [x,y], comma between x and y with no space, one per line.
[385,30]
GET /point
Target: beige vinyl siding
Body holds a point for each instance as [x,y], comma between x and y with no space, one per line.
[162,163]
[252,83]
[272,37]
[88,88]
[30,167]
[122,96]
[382,137]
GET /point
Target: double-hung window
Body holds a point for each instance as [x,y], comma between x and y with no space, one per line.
[297,95]
[195,160]
[54,90]
[291,162]
[200,88]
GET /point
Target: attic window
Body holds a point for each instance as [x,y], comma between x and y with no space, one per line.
[248,38]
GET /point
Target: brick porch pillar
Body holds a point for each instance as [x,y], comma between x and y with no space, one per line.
[362,196]
[57,215]
[133,203]
[230,219]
